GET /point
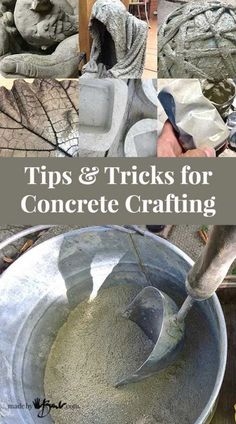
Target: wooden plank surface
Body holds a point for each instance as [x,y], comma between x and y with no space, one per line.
[85,7]
[225,413]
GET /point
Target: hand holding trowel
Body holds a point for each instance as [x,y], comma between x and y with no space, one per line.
[158,315]
[195,120]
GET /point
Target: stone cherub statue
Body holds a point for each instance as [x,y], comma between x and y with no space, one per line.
[39,38]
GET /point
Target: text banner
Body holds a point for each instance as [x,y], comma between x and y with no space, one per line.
[87,191]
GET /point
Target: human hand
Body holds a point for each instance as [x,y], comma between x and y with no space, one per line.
[169,146]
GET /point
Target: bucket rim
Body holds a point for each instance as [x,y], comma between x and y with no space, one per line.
[216,303]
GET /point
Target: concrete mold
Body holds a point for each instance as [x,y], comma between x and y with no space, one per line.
[102,111]
[141,139]
[109,108]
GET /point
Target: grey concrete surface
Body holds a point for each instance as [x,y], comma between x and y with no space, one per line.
[164,9]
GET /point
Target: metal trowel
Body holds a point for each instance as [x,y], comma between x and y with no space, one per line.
[158,315]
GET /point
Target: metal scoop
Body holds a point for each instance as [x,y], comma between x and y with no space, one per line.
[157,314]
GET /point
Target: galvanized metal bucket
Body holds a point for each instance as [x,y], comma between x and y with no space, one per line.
[41,288]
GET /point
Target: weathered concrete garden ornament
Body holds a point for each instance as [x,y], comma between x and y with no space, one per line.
[119,42]
[198,40]
[39,38]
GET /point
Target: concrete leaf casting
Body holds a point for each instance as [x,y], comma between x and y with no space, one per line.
[39,119]
[39,38]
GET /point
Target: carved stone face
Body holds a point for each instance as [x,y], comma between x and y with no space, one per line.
[44,23]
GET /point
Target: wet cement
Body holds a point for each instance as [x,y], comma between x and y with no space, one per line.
[220,92]
[96,347]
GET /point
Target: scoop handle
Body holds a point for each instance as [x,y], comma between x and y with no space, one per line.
[212,266]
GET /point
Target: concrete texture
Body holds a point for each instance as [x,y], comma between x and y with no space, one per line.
[103,105]
[39,38]
[142,101]
[187,46]
[49,119]
[164,9]
[150,90]
[119,42]
[108,109]
[186,238]
[141,139]
[49,283]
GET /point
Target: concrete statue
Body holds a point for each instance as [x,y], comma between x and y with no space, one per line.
[119,42]
[39,38]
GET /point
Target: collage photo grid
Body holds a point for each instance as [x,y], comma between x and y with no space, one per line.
[118,324]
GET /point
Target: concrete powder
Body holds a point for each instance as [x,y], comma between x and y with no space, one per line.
[96,347]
